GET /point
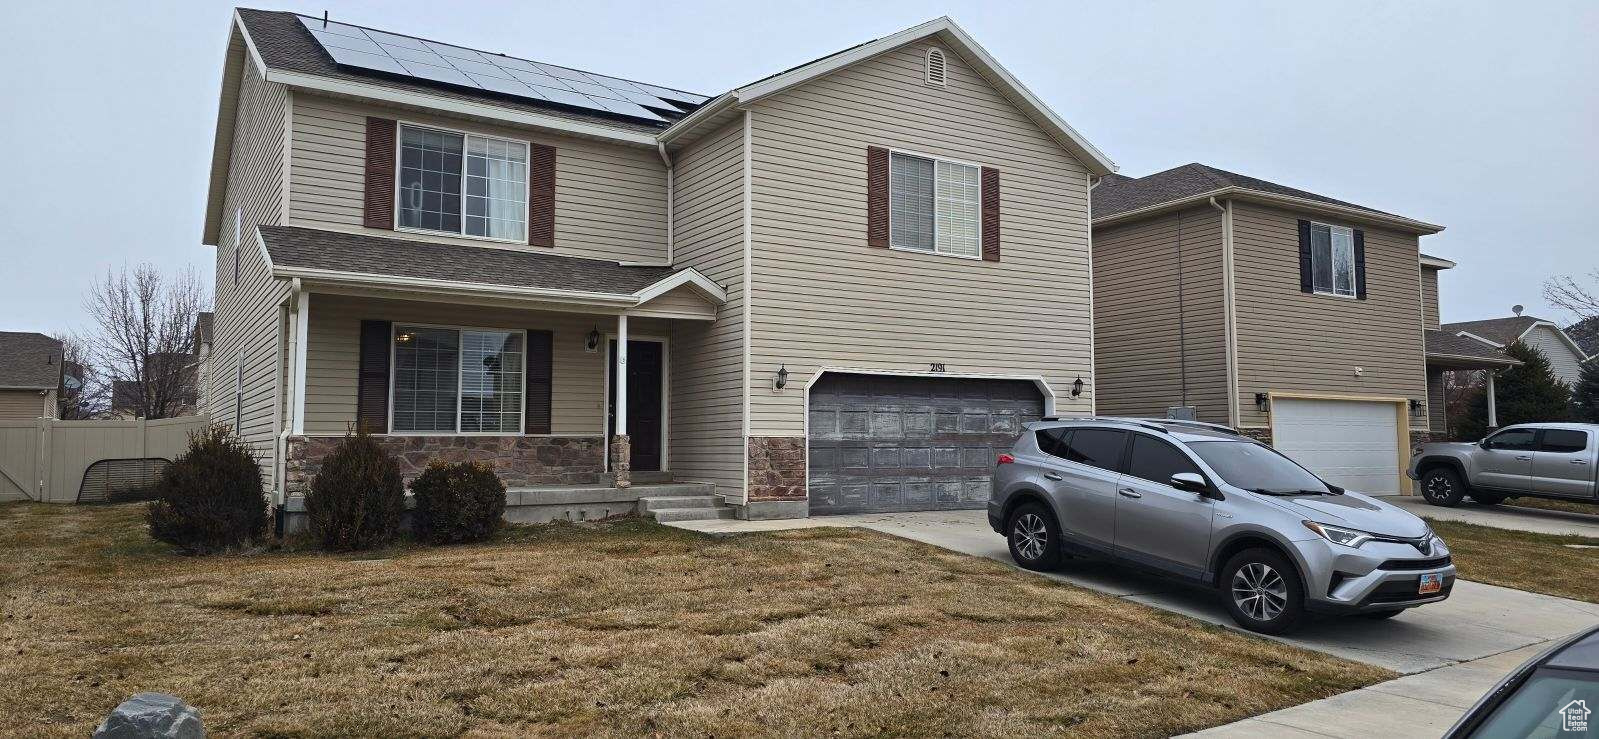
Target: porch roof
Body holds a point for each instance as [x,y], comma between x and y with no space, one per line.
[354,259]
[1448,351]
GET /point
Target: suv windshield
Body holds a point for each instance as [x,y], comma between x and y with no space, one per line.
[1256,468]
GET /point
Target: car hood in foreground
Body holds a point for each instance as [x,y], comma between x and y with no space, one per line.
[1357,511]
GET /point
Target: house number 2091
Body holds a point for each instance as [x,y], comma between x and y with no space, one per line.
[938,367]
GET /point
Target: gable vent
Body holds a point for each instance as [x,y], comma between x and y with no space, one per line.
[937,69]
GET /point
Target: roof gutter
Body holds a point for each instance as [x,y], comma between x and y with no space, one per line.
[1281,201]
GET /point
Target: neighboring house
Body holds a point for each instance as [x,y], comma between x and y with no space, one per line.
[839,288]
[1564,354]
[200,366]
[1292,316]
[30,375]
[171,388]
[1586,333]
[1448,353]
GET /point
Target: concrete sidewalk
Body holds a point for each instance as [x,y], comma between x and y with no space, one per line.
[1506,516]
[1421,705]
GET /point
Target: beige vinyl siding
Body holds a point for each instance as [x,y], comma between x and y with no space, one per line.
[248,326]
[1437,403]
[21,405]
[1429,297]
[610,201]
[1289,341]
[707,359]
[1147,334]
[682,302]
[331,366]
[1562,359]
[822,297]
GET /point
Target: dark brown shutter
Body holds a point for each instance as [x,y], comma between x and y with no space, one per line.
[372,391]
[379,173]
[876,196]
[541,196]
[540,356]
[990,214]
[1360,264]
[1307,282]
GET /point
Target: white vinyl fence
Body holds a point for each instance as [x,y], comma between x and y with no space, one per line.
[58,461]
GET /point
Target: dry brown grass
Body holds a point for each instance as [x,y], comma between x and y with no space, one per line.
[622,628]
[1549,504]
[1539,563]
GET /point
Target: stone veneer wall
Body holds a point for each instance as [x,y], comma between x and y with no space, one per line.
[777,468]
[1262,435]
[518,460]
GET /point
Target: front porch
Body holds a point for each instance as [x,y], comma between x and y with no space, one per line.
[1449,353]
[566,393]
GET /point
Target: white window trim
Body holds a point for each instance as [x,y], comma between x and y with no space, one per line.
[399,153]
[1354,269]
[935,159]
[394,328]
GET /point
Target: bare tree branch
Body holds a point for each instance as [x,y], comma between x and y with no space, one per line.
[142,348]
[1566,292]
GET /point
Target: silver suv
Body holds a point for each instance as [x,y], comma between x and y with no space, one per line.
[1206,504]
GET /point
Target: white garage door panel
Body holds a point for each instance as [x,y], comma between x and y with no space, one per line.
[1352,444]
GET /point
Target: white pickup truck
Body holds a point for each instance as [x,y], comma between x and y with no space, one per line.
[1539,460]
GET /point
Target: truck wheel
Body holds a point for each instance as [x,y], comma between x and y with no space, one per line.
[1484,499]
[1442,487]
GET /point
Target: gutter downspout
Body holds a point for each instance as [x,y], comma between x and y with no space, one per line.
[671,197]
[1230,308]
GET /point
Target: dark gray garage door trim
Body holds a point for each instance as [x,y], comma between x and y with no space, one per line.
[931,493]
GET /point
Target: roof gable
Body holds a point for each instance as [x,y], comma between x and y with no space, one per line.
[29,360]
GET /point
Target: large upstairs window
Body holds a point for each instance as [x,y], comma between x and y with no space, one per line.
[1332,259]
[461,183]
[934,205]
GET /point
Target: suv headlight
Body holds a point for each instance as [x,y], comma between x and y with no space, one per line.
[1338,535]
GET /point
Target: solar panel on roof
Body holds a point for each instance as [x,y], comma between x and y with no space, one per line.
[354,46]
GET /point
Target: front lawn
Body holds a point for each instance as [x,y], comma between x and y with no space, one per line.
[1550,504]
[621,628]
[1540,563]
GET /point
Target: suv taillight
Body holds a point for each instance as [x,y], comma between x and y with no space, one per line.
[1005,459]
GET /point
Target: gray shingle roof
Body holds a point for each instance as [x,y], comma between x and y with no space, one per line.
[1497,330]
[285,44]
[1445,343]
[29,360]
[309,248]
[1118,194]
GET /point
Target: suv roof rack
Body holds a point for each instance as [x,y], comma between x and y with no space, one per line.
[1154,424]
[1196,424]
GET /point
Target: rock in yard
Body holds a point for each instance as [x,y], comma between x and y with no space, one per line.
[147,715]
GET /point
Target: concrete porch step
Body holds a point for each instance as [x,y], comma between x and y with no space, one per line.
[651,477]
[664,515]
[656,503]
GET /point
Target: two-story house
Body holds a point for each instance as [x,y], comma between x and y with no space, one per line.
[839,288]
[1302,320]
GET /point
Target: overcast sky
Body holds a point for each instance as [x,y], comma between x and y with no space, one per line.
[1481,116]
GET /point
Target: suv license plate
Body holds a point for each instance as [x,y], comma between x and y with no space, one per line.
[1431,584]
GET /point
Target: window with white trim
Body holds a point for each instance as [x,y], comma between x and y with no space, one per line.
[462,183]
[1332,259]
[457,380]
[934,205]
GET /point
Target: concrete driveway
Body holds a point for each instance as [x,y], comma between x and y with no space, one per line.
[1506,516]
[1477,621]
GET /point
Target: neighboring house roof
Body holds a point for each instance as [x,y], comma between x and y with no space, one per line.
[714,114]
[1502,331]
[1586,333]
[29,361]
[1428,260]
[377,261]
[124,395]
[1448,350]
[1119,198]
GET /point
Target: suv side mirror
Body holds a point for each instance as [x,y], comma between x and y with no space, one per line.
[1485,444]
[1193,482]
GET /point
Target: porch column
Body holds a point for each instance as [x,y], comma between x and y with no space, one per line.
[1493,413]
[621,443]
[302,329]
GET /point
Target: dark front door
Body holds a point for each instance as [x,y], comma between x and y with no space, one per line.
[644,375]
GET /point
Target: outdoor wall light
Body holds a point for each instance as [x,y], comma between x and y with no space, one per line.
[1262,401]
[593,342]
[1415,406]
[781,380]
[1077,387]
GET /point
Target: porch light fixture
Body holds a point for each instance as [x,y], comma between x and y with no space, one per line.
[1077,387]
[593,342]
[1262,401]
[781,381]
[1415,406]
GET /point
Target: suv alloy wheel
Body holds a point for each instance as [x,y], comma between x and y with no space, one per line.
[1263,592]
[1034,537]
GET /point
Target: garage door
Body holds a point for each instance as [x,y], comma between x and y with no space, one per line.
[883,443]
[1351,444]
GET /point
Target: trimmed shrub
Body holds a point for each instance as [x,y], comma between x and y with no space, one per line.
[356,499]
[210,498]
[457,502]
